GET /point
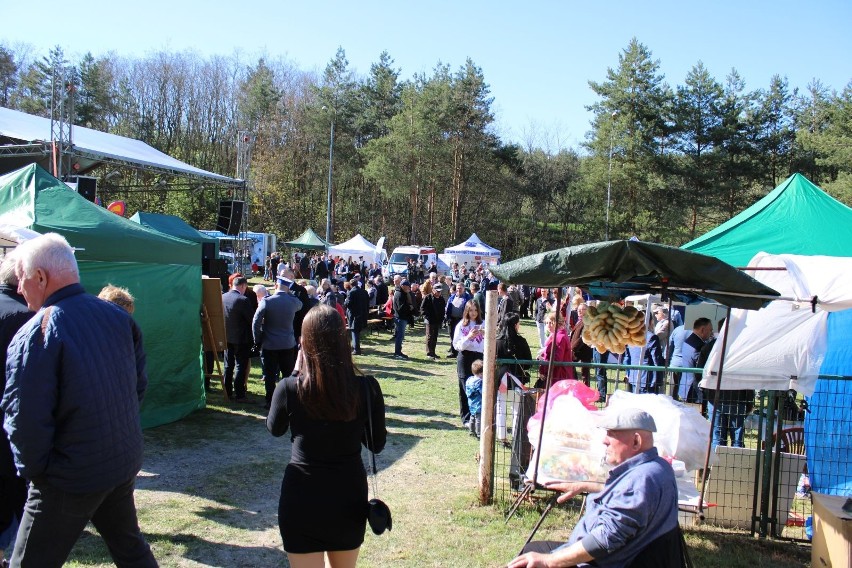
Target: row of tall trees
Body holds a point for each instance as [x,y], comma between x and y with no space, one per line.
[418,160]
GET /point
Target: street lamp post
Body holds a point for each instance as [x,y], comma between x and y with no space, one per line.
[609,176]
[330,163]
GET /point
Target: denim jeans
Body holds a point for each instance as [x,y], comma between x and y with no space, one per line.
[399,334]
[729,422]
[54,519]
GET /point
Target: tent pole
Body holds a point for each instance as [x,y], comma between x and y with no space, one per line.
[714,413]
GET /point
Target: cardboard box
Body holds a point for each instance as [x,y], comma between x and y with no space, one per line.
[832,542]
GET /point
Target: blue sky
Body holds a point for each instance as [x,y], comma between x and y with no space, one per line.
[537,56]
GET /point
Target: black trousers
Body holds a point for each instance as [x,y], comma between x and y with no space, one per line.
[432,330]
[54,519]
[277,363]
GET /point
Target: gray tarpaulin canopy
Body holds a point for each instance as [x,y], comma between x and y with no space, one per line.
[308,240]
[616,269]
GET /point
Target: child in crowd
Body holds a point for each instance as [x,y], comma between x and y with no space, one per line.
[473,389]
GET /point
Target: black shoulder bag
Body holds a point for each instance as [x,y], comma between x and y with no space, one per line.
[378,513]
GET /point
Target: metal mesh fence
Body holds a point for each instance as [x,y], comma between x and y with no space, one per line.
[764,443]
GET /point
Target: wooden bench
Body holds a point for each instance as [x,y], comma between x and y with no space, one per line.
[376,324]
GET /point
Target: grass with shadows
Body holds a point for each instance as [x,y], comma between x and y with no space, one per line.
[208,493]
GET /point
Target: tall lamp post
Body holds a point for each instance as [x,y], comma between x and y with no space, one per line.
[330,163]
[609,176]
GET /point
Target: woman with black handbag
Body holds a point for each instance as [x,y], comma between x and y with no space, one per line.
[322,512]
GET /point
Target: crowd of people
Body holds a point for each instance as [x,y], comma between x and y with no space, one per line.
[306,336]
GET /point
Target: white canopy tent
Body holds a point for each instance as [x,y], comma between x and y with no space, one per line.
[473,250]
[355,247]
[782,346]
[91,147]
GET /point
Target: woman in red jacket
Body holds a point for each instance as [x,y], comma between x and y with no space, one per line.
[560,341]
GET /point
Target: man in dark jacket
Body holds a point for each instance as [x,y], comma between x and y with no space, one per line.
[382,293]
[433,308]
[357,306]
[403,314]
[13,314]
[238,320]
[75,381]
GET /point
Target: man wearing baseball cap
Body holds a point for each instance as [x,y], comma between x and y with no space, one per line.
[635,508]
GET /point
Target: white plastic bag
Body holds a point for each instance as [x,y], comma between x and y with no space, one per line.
[682,432]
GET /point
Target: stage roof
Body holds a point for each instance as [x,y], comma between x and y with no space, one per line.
[25,138]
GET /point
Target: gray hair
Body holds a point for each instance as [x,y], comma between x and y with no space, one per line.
[7,269]
[258,288]
[50,252]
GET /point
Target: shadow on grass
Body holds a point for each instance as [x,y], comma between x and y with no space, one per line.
[168,548]
[428,424]
[408,410]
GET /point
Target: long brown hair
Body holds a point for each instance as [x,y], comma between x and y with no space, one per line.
[327,387]
[466,319]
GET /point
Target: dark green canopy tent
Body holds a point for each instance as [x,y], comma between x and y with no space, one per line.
[173,226]
[616,269]
[162,272]
[797,217]
[308,240]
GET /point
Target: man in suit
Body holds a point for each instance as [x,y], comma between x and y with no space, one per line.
[272,328]
[238,321]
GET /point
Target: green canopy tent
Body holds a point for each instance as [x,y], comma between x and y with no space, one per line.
[162,272]
[173,226]
[617,269]
[177,227]
[797,217]
[308,240]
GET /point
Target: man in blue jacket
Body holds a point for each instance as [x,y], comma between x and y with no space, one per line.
[634,508]
[75,381]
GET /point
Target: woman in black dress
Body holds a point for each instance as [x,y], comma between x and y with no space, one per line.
[322,512]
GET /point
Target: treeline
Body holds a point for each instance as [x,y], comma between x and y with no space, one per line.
[418,160]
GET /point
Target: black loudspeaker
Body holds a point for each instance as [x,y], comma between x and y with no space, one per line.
[230,217]
[215,268]
[86,186]
[208,250]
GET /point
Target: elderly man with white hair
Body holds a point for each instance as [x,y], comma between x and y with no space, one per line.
[75,380]
[635,508]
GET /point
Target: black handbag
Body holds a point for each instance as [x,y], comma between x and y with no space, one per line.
[378,513]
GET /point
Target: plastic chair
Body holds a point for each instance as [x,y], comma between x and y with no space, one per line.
[793,440]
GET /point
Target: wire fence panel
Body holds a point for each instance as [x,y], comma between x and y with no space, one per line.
[764,443]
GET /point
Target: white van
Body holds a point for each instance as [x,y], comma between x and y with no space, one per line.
[398,261]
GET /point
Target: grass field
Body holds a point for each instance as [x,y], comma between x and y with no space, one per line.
[208,492]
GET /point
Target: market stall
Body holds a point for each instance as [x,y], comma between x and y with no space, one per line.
[616,269]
